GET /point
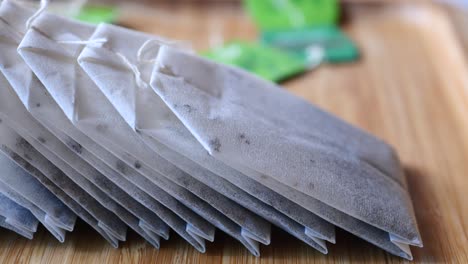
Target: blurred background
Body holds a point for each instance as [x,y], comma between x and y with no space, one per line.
[275,39]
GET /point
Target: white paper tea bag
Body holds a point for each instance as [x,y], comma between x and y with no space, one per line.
[22,188]
[43,141]
[313,236]
[19,231]
[41,216]
[58,177]
[289,145]
[19,180]
[66,190]
[180,193]
[96,68]
[18,217]
[80,202]
[90,110]
[11,107]
[50,114]
[320,229]
[12,111]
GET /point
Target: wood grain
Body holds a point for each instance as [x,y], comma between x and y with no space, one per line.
[410,88]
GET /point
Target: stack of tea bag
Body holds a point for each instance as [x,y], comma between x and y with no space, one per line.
[128,130]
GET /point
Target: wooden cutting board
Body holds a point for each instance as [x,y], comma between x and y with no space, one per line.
[410,88]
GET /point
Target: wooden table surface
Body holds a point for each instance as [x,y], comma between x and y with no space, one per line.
[410,88]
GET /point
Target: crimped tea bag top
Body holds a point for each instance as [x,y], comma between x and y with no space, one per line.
[124,129]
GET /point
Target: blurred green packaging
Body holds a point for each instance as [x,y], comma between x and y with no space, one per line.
[269,63]
[306,28]
[333,43]
[288,14]
[97,14]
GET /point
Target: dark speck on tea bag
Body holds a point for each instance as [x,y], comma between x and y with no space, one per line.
[137,165]
[244,139]
[24,145]
[188,108]
[75,146]
[215,144]
[122,167]
[101,128]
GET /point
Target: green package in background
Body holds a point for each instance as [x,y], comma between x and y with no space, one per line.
[287,14]
[335,45]
[97,14]
[269,63]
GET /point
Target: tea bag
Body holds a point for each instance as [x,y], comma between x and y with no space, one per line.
[79,201]
[281,219]
[18,149]
[111,228]
[13,111]
[46,173]
[19,180]
[290,146]
[17,218]
[22,188]
[89,116]
[74,206]
[316,228]
[67,161]
[19,231]
[50,114]
[57,232]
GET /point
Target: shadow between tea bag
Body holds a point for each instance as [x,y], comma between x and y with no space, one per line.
[292,147]
[66,159]
[120,173]
[122,77]
[17,218]
[100,114]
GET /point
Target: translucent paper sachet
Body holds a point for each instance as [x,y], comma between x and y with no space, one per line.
[13,111]
[112,57]
[22,188]
[146,222]
[17,218]
[197,229]
[140,98]
[291,146]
